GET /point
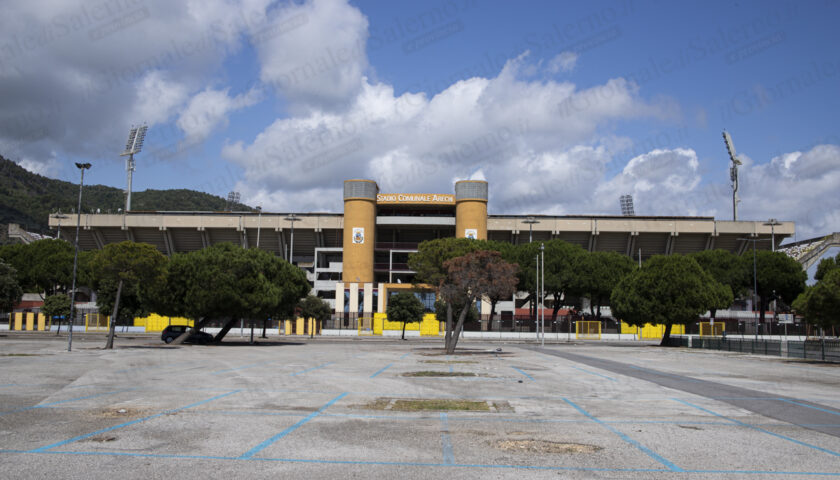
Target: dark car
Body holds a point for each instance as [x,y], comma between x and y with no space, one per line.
[174,331]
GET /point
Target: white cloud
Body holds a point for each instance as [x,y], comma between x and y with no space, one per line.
[313,54]
[563,62]
[209,109]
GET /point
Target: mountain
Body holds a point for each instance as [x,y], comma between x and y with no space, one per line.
[27,198]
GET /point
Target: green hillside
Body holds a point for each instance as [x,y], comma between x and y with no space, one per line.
[27,198]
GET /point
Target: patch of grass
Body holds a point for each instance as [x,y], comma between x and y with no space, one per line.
[543,446]
[431,373]
[423,404]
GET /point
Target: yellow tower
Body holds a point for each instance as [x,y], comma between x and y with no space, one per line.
[359,228]
[471,209]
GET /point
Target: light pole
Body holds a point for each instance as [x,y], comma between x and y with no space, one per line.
[292,219]
[755,280]
[542,290]
[259,224]
[772,222]
[82,167]
[530,220]
[60,216]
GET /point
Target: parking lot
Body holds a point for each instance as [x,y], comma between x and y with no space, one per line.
[330,408]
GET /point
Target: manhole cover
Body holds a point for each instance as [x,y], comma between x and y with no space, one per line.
[543,446]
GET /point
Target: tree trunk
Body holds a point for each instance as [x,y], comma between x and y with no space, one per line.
[457,333]
[492,314]
[59,327]
[762,305]
[667,336]
[556,309]
[113,323]
[265,325]
[403,333]
[219,336]
[448,334]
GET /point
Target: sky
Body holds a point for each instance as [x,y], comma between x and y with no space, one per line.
[561,106]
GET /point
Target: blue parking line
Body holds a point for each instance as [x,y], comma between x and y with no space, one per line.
[523,373]
[45,405]
[594,373]
[671,466]
[737,422]
[310,369]
[262,446]
[405,355]
[381,370]
[126,424]
[448,455]
[451,369]
[809,406]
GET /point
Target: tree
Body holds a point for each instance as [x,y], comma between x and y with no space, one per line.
[10,291]
[595,274]
[667,290]
[428,261]
[779,275]
[57,305]
[820,304]
[405,307]
[44,266]
[226,281]
[729,270]
[125,269]
[826,265]
[315,308]
[469,278]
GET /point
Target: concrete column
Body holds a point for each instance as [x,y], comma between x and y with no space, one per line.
[380,302]
[339,298]
[368,299]
[354,298]
[359,230]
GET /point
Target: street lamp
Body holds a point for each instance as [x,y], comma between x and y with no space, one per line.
[755,280]
[542,291]
[292,219]
[59,216]
[259,224]
[530,220]
[82,167]
[772,222]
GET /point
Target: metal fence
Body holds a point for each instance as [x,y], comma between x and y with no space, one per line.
[826,350]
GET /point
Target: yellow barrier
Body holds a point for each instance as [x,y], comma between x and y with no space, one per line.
[30,321]
[156,323]
[588,329]
[18,321]
[299,326]
[652,331]
[709,330]
[42,322]
[287,327]
[430,326]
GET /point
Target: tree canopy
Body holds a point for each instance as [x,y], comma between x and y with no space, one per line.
[779,273]
[594,275]
[667,290]
[125,272]
[405,307]
[820,304]
[44,266]
[428,261]
[826,265]
[10,291]
[729,270]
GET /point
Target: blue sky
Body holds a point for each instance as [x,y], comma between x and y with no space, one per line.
[561,106]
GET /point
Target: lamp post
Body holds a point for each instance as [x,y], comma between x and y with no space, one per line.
[772,223]
[259,224]
[542,291]
[59,216]
[292,219]
[530,220]
[755,280]
[82,167]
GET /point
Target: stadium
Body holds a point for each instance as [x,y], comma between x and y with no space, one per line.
[353,259]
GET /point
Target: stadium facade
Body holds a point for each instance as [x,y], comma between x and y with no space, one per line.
[353,259]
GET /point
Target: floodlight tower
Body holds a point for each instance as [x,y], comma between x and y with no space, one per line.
[733,173]
[133,145]
[626,202]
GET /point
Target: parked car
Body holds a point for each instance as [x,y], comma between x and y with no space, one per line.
[172,332]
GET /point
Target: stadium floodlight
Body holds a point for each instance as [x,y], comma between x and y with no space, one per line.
[259,223]
[82,167]
[292,219]
[530,220]
[133,145]
[733,172]
[626,202]
[232,199]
